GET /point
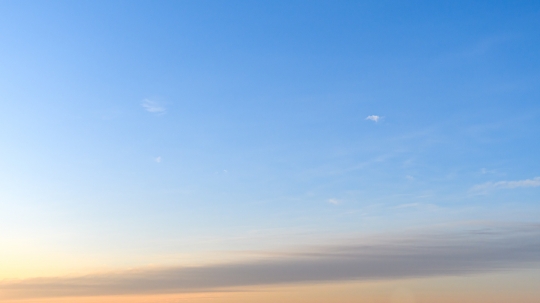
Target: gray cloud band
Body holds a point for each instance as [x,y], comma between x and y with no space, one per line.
[392,258]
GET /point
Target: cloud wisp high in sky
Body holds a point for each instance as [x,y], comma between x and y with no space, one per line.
[153,107]
[333,201]
[373,118]
[490,186]
[389,257]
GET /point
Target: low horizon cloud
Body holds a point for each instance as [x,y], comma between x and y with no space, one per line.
[488,186]
[389,257]
[373,118]
[153,106]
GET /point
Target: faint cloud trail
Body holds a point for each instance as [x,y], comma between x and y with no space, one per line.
[333,201]
[153,106]
[489,186]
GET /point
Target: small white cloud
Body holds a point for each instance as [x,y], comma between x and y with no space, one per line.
[153,106]
[333,201]
[158,159]
[410,178]
[488,186]
[373,118]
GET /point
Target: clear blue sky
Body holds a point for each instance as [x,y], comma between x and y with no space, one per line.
[127,125]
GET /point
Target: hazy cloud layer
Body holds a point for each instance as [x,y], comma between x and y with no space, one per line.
[390,258]
[488,186]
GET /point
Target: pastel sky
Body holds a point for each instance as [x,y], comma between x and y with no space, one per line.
[269,151]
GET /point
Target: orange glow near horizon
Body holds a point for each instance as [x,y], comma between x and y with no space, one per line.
[516,286]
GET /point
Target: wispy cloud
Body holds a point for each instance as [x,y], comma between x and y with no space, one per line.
[158,159]
[484,171]
[153,106]
[487,44]
[489,186]
[373,118]
[333,201]
[398,256]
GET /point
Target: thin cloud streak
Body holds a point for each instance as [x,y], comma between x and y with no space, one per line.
[466,252]
[153,106]
[488,186]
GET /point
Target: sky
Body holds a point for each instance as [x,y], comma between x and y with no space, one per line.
[291,151]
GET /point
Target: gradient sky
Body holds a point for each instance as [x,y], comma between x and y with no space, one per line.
[185,140]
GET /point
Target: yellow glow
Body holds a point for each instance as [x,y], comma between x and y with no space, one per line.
[517,286]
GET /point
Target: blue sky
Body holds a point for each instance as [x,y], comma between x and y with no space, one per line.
[134,124]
